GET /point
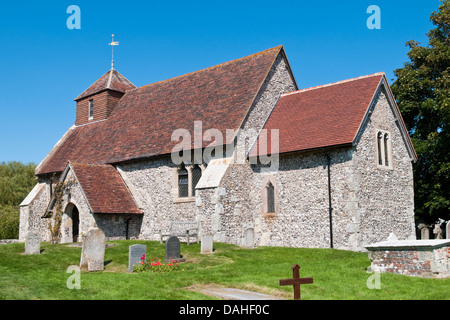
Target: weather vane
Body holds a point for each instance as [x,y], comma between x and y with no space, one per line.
[112,44]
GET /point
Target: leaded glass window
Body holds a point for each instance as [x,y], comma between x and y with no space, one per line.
[183,182]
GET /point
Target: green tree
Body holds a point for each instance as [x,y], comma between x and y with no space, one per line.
[423,94]
[16,181]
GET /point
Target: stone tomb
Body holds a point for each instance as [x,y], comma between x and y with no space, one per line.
[421,258]
[173,250]
[207,244]
[32,243]
[93,250]
[136,253]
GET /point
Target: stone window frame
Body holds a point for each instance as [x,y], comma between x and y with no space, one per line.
[191,190]
[383,145]
[269,179]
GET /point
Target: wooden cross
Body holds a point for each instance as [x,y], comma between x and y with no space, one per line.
[296,281]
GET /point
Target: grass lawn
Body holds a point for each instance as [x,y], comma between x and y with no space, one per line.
[337,274]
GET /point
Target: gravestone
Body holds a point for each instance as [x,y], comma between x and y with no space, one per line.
[136,253]
[438,231]
[173,250]
[32,243]
[425,233]
[207,244]
[249,238]
[447,230]
[93,250]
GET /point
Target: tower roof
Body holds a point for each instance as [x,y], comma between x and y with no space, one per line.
[111,80]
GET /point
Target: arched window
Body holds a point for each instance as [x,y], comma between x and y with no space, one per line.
[269,195]
[384,157]
[386,150]
[270,198]
[379,147]
[183,182]
[186,178]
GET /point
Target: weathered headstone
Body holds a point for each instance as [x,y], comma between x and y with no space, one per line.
[447,230]
[93,250]
[136,253]
[173,250]
[32,243]
[207,244]
[438,231]
[425,233]
[249,238]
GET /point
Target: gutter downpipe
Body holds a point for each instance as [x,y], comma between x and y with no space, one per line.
[330,208]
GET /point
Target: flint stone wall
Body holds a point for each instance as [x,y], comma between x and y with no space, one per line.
[385,196]
[152,186]
[32,210]
[368,202]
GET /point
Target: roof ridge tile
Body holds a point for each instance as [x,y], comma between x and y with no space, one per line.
[334,83]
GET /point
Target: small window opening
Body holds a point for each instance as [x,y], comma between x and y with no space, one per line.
[380,156]
[386,150]
[91,109]
[270,198]
[196,174]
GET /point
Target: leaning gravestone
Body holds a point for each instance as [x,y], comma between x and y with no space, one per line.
[207,244]
[32,243]
[173,250]
[93,250]
[136,253]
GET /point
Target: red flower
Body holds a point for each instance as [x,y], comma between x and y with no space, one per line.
[143,257]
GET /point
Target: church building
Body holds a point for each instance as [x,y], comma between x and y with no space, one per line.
[234,147]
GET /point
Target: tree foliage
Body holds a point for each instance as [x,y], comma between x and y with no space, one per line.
[423,94]
[16,181]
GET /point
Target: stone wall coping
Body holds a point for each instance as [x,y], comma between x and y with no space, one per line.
[409,244]
[33,193]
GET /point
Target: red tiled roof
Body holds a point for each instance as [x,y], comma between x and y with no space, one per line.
[321,116]
[142,123]
[112,80]
[104,188]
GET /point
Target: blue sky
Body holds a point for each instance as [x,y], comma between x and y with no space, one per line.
[44,65]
